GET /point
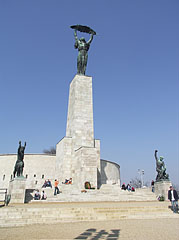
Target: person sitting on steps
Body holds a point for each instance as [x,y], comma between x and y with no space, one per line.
[43,195]
[37,195]
[68,181]
[123,187]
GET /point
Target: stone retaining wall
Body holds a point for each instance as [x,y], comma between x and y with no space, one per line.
[38,167]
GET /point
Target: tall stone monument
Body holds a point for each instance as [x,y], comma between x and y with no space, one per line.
[78,153]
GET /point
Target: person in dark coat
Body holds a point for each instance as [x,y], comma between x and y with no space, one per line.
[173,197]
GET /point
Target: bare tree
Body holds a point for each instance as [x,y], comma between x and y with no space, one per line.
[136,182]
[52,150]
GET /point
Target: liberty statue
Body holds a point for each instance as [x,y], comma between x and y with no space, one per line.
[82,47]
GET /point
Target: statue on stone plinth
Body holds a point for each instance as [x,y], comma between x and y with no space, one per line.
[160,168]
[18,169]
[83,47]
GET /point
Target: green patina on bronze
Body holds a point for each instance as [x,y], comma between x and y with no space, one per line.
[82,47]
[160,168]
[19,166]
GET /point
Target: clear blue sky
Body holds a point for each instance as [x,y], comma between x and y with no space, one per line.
[134,62]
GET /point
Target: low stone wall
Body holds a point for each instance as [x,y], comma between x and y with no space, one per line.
[37,168]
[40,167]
[110,172]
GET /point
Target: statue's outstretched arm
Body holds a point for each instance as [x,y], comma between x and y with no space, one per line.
[24,144]
[91,39]
[75,35]
[156,155]
[76,39]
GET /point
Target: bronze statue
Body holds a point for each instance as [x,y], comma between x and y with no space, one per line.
[160,168]
[18,169]
[82,47]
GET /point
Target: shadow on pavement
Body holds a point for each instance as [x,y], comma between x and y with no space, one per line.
[92,234]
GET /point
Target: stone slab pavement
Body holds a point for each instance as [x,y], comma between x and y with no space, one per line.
[123,229]
[147,229]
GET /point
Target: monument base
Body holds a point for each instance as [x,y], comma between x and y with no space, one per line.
[86,166]
[78,153]
[161,188]
[82,165]
[17,190]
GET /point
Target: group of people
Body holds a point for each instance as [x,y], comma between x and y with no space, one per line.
[38,196]
[47,183]
[43,196]
[127,187]
[172,193]
[67,181]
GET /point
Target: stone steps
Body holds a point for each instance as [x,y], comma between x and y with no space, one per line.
[79,198]
[105,193]
[42,213]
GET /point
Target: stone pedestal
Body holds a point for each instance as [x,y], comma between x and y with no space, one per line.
[161,188]
[80,112]
[78,154]
[17,188]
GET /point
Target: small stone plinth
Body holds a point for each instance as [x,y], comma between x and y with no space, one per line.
[17,189]
[161,188]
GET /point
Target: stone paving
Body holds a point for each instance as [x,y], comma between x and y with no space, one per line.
[158,229]
[165,228]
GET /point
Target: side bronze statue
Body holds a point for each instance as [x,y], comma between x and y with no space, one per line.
[160,168]
[82,47]
[19,166]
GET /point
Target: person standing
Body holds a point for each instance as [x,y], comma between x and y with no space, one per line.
[173,197]
[56,187]
[152,185]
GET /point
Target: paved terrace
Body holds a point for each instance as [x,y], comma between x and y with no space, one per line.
[115,221]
